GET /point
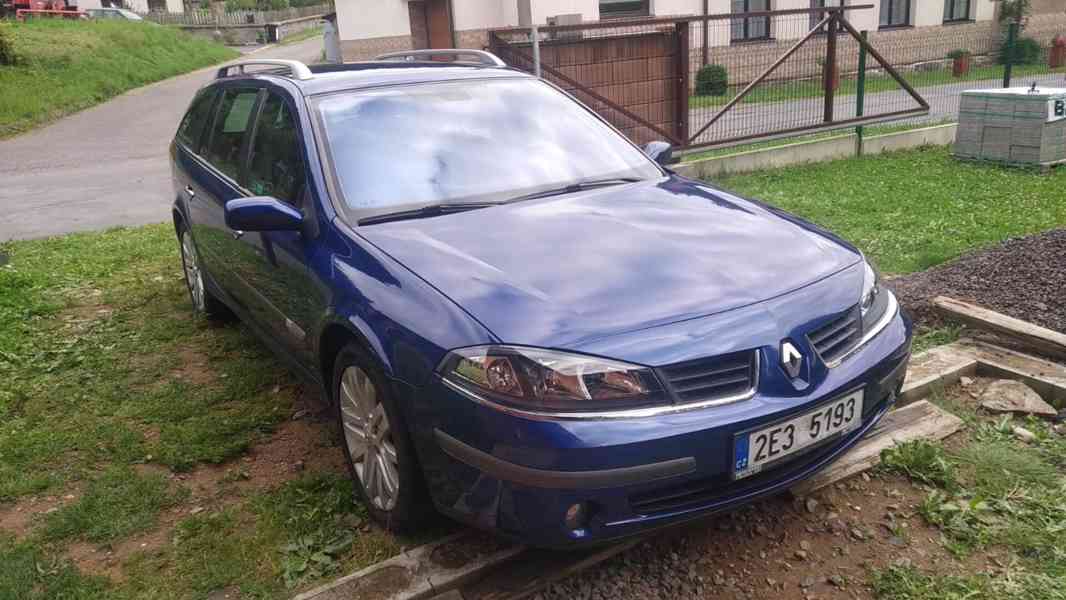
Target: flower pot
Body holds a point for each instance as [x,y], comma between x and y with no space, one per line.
[1057,57]
[960,66]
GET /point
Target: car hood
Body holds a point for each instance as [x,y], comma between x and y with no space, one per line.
[563,271]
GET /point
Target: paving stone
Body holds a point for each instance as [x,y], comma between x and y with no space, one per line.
[1008,396]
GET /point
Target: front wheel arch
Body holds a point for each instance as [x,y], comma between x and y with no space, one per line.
[331,341]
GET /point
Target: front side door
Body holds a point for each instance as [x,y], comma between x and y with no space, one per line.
[216,179]
[274,263]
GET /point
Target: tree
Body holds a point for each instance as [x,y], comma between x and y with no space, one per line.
[1014,10]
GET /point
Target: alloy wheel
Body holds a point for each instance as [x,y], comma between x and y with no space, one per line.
[369,439]
[193,278]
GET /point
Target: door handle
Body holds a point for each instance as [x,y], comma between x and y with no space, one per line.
[237,234]
[191,192]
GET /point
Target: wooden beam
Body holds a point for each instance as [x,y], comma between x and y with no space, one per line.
[920,420]
[1038,338]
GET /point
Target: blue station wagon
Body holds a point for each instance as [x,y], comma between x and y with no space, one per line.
[521,319]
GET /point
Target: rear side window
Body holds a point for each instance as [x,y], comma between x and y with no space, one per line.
[192,126]
[227,135]
[276,168]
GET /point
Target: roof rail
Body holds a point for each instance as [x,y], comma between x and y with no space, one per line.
[294,68]
[481,57]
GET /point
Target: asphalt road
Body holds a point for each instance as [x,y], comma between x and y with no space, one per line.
[105,166]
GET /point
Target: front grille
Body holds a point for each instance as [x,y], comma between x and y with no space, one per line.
[837,337]
[708,379]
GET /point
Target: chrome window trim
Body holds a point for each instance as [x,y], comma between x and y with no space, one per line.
[890,313]
[632,413]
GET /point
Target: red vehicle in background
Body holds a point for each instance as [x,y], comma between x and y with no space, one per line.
[21,9]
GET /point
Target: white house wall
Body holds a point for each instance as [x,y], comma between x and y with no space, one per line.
[484,14]
[986,10]
[542,9]
[387,22]
[669,8]
[367,19]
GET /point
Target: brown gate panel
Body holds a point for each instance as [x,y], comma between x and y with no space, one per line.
[631,80]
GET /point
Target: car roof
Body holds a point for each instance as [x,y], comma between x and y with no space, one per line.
[328,78]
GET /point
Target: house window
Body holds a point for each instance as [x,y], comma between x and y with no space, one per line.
[895,13]
[818,16]
[617,9]
[750,28]
[956,10]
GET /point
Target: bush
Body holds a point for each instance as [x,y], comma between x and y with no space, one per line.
[1027,51]
[960,53]
[7,46]
[712,80]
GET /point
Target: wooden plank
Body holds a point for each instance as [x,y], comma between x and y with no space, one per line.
[920,420]
[535,570]
[1045,377]
[1039,338]
[935,369]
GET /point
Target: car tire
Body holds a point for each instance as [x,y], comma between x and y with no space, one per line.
[203,301]
[377,446]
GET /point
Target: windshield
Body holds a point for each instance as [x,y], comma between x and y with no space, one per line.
[467,141]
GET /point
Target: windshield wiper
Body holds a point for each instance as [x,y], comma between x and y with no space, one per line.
[433,210]
[579,186]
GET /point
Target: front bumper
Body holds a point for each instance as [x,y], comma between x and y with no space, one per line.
[519,476]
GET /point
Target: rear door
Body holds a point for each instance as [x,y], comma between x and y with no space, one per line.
[185,152]
[216,180]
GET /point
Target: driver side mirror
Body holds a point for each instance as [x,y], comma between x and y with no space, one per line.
[660,152]
[262,213]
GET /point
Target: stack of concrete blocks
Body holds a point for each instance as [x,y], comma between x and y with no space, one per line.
[1018,126]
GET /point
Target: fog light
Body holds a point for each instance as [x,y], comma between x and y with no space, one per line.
[576,516]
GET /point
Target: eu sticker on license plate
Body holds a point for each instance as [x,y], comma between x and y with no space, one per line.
[754,450]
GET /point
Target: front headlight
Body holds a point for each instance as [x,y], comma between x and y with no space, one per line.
[549,381]
[875,299]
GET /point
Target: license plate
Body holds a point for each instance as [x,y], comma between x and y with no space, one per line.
[754,450]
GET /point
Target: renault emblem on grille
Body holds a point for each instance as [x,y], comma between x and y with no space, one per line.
[791,359]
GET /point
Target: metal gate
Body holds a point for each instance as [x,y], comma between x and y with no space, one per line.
[630,75]
[720,80]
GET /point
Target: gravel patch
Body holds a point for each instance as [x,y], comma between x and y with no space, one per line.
[1023,278]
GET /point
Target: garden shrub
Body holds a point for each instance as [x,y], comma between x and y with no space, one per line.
[1027,51]
[7,45]
[712,80]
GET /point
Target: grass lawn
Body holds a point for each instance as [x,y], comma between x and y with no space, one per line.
[911,210]
[998,504]
[306,34]
[813,88]
[53,67]
[127,426]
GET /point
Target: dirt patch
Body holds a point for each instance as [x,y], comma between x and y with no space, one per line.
[18,518]
[822,546]
[297,445]
[780,548]
[1022,278]
[193,367]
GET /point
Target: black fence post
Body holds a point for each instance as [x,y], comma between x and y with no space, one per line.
[1009,52]
[705,23]
[860,91]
